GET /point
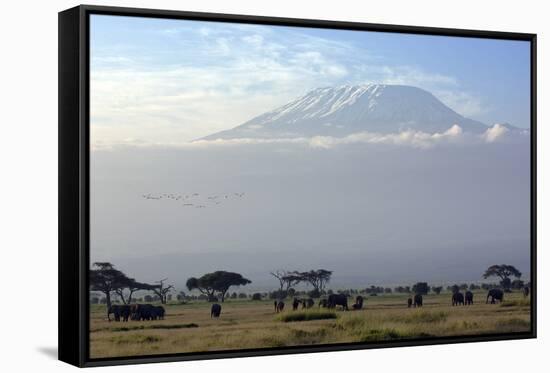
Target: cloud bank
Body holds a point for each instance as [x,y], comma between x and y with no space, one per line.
[409,138]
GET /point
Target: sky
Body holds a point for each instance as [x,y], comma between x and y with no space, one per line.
[396,209]
[173,81]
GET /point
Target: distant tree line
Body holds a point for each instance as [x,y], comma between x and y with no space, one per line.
[117,287]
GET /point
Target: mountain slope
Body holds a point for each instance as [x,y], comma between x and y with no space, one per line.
[345,110]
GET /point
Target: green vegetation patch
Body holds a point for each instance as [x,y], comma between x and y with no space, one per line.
[306,316]
[516,303]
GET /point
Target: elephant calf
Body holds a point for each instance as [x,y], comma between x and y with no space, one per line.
[358,303]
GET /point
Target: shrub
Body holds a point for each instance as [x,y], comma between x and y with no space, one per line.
[307,316]
[257,296]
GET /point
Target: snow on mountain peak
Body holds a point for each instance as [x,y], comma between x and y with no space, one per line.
[347,109]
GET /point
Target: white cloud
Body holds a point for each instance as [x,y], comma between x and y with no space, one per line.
[410,138]
[494,133]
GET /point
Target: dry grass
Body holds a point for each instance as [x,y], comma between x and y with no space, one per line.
[247,324]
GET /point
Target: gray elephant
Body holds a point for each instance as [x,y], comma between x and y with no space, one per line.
[358,303]
[418,300]
[295,303]
[495,294]
[409,302]
[142,312]
[215,310]
[115,310]
[469,298]
[338,300]
[157,313]
[279,306]
[457,299]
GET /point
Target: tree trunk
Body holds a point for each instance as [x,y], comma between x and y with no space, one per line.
[130,297]
[108,301]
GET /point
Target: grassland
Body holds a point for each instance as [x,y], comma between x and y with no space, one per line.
[254,324]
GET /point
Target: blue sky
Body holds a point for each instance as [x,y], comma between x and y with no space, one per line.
[171,80]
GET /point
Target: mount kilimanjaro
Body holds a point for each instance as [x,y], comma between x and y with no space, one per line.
[344,110]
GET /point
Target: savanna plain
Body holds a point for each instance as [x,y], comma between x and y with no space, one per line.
[250,324]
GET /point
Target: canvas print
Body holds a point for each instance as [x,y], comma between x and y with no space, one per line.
[262,186]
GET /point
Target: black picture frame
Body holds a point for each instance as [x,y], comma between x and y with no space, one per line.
[74,193]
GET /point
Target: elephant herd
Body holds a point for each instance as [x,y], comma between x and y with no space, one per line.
[466,299]
[141,312]
[137,312]
[332,301]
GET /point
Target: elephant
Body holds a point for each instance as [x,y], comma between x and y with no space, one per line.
[279,306]
[469,298]
[307,303]
[124,312]
[295,303]
[115,310]
[457,299]
[338,300]
[358,303]
[323,303]
[526,291]
[495,294]
[215,310]
[409,302]
[158,313]
[418,300]
[142,312]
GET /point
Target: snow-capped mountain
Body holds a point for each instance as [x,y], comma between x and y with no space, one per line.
[345,110]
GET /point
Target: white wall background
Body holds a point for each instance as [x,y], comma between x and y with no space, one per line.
[28,183]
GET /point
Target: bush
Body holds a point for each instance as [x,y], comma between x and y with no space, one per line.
[307,316]
[421,288]
[257,296]
[516,303]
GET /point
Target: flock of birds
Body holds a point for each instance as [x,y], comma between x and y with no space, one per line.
[194,200]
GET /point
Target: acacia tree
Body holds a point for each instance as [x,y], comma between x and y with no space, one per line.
[287,279]
[503,271]
[421,288]
[291,279]
[105,278]
[132,286]
[161,290]
[216,282]
[317,278]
